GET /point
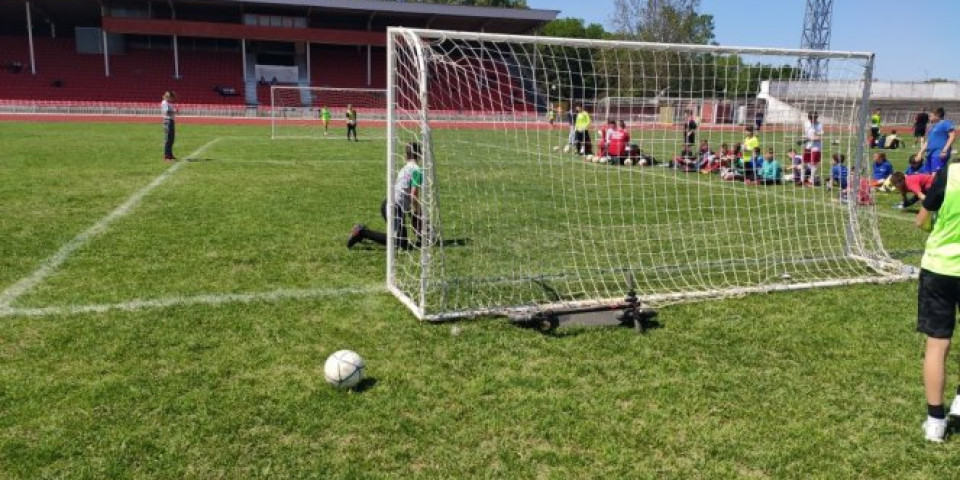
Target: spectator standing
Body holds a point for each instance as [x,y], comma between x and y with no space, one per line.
[169,111]
[690,129]
[351,123]
[572,121]
[875,124]
[920,127]
[582,134]
[813,134]
[936,148]
[939,295]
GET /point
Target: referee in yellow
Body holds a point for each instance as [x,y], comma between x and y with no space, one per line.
[939,293]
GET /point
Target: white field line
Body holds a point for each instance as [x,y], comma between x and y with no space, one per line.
[302,163]
[51,264]
[209,299]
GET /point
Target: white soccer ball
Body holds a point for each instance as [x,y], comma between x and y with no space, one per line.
[604,159]
[590,158]
[628,162]
[344,369]
[566,149]
[642,162]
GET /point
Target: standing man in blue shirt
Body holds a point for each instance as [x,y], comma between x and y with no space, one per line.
[935,149]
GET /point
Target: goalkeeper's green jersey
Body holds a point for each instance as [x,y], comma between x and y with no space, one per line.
[583,121]
[325,114]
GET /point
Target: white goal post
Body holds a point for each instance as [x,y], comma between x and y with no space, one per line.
[511,217]
[295,112]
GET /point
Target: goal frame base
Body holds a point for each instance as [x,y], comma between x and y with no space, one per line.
[628,313]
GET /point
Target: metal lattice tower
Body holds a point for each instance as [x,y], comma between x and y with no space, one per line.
[816,36]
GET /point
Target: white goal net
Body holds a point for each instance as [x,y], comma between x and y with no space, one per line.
[519,210]
[297,112]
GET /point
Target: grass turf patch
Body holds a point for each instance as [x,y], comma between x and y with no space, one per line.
[821,384]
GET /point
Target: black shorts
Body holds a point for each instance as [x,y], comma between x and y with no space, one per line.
[937,303]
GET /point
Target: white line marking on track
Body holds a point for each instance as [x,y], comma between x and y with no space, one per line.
[51,264]
[209,299]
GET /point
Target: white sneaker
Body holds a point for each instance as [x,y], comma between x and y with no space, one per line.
[955,407]
[935,429]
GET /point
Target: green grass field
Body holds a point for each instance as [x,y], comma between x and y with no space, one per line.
[185,338]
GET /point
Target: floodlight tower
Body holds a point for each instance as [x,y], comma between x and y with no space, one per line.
[816,36]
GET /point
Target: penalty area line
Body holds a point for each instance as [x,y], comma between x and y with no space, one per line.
[51,264]
[177,301]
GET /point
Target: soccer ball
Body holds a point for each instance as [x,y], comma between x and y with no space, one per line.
[628,162]
[590,158]
[604,159]
[566,149]
[344,369]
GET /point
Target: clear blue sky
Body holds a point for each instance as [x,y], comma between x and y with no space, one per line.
[899,32]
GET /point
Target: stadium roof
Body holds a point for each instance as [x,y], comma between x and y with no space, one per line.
[381,13]
[392,7]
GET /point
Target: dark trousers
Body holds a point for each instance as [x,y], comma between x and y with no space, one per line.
[582,142]
[169,135]
[351,128]
[399,227]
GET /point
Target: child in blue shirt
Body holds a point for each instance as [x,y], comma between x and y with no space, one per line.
[915,167]
[838,174]
[771,173]
[882,169]
[938,144]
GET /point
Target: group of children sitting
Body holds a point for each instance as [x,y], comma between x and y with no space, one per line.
[747,162]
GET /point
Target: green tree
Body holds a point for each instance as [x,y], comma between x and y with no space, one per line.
[570,72]
[665,21]
[573,28]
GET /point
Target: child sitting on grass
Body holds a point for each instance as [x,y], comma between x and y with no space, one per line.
[882,169]
[839,172]
[771,173]
[795,162]
[745,169]
[687,160]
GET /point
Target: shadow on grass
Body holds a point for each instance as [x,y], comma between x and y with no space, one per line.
[365,384]
[371,245]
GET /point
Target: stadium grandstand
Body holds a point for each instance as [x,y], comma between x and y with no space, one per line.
[221,56]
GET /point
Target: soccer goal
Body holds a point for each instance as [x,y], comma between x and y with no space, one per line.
[511,218]
[296,112]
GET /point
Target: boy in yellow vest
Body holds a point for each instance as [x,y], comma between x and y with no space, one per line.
[939,294]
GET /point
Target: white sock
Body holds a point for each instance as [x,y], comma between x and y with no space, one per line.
[940,420]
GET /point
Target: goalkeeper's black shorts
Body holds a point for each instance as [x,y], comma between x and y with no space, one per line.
[937,303]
